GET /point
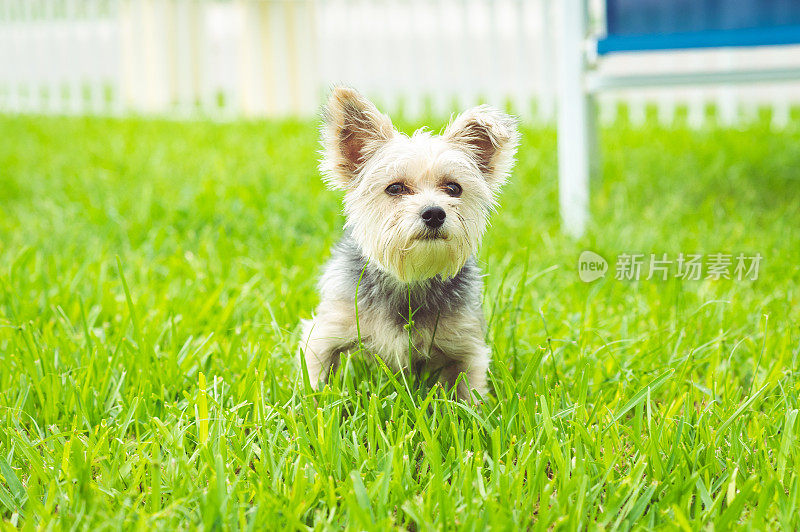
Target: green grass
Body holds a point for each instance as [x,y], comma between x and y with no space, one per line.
[153,274]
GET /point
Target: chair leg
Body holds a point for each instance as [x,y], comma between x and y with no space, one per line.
[576,133]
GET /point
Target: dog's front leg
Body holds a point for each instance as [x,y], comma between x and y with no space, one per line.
[324,338]
[462,350]
[473,370]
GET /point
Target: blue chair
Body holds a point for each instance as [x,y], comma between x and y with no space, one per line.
[637,26]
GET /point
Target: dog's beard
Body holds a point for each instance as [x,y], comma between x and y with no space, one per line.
[424,258]
[419,255]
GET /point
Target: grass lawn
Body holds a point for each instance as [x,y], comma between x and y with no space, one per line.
[153,274]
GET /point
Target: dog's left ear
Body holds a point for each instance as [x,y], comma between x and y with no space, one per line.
[490,137]
[354,130]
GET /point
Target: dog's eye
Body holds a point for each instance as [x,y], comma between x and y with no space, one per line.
[395,189]
[454,189]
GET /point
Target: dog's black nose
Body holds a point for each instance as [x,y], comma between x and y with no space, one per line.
[433,217]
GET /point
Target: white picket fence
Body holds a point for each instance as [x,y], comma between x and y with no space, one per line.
[251,58]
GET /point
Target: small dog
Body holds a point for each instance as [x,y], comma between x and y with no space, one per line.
[403,280]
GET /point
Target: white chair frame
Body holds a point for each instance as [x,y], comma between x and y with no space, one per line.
[580,81]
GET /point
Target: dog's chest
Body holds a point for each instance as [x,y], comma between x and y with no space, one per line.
[398,341]
[398,321]
[407,324]
[419,304]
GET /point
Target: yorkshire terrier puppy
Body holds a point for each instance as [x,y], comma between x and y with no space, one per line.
[403,279]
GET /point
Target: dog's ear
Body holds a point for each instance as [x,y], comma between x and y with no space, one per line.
[353,131]
[490,137]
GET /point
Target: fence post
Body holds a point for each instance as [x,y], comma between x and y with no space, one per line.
[128,91]
[546,101]
[523,90]
[15,31]
[251,64]
[190,50]
[727,105]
